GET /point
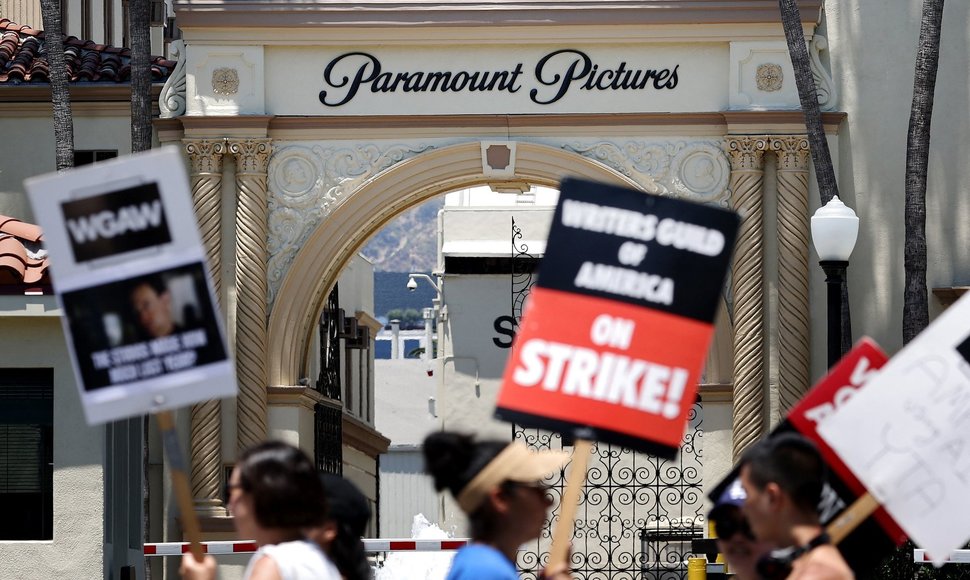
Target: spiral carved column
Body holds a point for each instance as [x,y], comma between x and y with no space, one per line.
[747,184]
[205,157]
[252,229]
[793,238]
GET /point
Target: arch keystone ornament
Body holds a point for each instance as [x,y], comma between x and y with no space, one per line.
[498,159]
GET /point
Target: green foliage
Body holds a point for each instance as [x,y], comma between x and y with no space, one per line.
[410,317]
[900,566]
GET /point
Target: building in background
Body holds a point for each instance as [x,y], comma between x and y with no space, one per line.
[92,502]
[100,21]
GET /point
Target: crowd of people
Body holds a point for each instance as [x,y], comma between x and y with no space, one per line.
[309,526]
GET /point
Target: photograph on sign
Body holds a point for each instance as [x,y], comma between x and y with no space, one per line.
[876,537]
[145,327]
[906,436]
[142,325]
[618,325]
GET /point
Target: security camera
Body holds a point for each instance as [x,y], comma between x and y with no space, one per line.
[412,284]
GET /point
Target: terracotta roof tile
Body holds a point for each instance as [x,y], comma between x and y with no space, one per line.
[23,59]
[17,228]
[37,273]
[13,257]
[22,259]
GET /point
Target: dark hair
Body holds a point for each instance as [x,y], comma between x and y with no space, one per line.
[284,485]
[454,459]
[791,461]
[350,512]
[153,281]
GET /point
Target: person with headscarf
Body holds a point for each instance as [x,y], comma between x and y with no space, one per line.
[500,488]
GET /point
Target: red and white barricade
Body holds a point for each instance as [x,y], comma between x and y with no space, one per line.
[375,545]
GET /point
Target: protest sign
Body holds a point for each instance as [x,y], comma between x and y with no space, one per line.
[618,325]
[129,270]
[874,539]
[906,436]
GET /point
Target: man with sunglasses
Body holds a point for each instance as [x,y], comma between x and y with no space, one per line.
[734,537]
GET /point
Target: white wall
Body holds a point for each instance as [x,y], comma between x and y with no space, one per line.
[76,550]
[405,396]
[32,153]
[403,390]
[474,302]
[405,492]
[874,73]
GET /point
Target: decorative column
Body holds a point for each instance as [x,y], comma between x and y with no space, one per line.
[793,239]
[252,230]
[205,157]
[747,192]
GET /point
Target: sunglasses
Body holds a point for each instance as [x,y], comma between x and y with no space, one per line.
[537,487]
[229,487]
[726,527]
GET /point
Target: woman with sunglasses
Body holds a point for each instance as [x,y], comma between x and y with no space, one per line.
[499,487]
[734,536]
[275,493]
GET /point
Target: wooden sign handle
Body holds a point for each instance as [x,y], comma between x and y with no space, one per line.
[570,501]
[180,483]
[848,520]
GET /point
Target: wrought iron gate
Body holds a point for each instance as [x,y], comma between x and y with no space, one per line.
[328,416]
[638,513]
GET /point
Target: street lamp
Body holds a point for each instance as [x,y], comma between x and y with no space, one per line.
[438,312]
[835,228]
[413,284]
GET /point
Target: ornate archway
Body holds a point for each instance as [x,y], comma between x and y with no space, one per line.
[331,245]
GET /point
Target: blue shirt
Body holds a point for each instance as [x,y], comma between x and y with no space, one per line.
[481,562]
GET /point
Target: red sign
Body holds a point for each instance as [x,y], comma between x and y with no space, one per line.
[617,328]
[874,539]
[833,391]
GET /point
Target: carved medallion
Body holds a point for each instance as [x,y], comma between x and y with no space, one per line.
[769,77]
[225,81]
[701,171]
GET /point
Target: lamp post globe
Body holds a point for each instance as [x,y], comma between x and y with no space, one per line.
[835,228]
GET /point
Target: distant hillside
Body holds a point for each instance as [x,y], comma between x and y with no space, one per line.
[408,243]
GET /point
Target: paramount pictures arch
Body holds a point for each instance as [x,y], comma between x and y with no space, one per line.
[286,194]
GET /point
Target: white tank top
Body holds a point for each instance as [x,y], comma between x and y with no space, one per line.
[298,560]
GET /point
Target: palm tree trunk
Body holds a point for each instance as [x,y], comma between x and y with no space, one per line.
[141,100]
[808,98]
[139,31]
[60,94]
[828,187]
[915,303]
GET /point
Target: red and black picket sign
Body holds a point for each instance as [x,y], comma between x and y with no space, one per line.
[874,539]
[618,325]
